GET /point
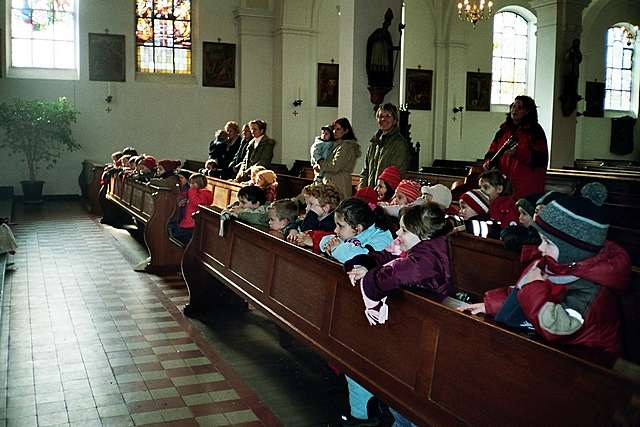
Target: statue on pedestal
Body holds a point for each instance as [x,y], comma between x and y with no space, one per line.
[380,60]
[569,97]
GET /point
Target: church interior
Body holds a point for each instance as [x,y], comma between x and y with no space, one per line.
[116,326]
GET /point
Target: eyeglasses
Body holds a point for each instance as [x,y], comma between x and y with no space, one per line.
[385,116]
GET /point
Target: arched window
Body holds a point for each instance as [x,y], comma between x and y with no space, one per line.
[619,75]
[163,36]
[43,39]
[513,55]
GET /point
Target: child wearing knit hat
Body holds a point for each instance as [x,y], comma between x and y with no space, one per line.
[474,204]
[388,180]
[167,167]
[569,294]
[438,193]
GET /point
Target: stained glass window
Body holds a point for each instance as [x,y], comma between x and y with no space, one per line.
[43,34]
[510,56]
[619,78]
[163,36]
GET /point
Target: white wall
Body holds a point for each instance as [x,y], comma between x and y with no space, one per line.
[594,133]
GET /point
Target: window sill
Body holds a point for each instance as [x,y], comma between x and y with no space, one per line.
[42,73]
[188,79]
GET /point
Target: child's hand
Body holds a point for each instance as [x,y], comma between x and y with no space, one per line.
[293,236]
[303,239]
[235,209]
[478,308]
[331,245]
[356,274]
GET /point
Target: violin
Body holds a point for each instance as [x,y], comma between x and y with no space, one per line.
[512,142]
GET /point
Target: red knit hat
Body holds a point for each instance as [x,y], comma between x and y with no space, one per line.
[410,189]
[169,165]
[391,176]
[476,200]
[368,194]
[149,161]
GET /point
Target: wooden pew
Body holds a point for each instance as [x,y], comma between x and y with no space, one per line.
[436,365]
[153,207]
[468,253]
[89,181]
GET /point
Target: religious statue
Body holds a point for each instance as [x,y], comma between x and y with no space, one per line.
[380,59]
[569,97]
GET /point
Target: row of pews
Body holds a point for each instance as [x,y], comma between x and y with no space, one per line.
[434,364]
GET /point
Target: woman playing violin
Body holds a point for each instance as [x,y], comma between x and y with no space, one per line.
[524,160]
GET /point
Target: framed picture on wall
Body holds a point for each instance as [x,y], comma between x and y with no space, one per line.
[478,91]
[418,89]
[218,64]
[328,85]
[106,57]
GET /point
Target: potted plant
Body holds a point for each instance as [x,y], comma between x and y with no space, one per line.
[38,132]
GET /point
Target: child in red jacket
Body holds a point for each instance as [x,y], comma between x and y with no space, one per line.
[568,294]
[502,207]
[197,194]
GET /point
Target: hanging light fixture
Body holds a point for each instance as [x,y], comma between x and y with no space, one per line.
[630,33]
[474,10]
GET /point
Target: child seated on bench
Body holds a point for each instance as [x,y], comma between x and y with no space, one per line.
[423,263]
[358,230]
[251,206]
[321,201]
[268,181]
[502,205]
[569,293]
[387,182]
[198,194]
[282,214]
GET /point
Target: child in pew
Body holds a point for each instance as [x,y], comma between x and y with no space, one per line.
[268,181]
[209,168]
[473,216]
[281,214]
[254,175]
[166,175]
[358,230]
[424,263]
[198,194]
[251,207]
[148,166]
[407,193]
[320,151]
[502,205]
[515,237]
[569,293]
[321,201]
[387,183]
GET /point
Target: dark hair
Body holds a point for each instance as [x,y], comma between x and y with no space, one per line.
[496,178]
[129,151]
[262,125]
[329,129]
[198,178]
[426,221]
[388,195]
[346,125]
[253,194]
[357,212]
[530,105]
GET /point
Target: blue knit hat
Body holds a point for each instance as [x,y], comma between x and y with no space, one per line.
[577,225]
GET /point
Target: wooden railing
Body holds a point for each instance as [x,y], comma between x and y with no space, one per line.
[432,363]
[153,207]
[89,181]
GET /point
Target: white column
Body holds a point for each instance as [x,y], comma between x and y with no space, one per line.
[559,23]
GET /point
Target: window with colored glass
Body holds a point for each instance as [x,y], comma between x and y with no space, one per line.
[43,34]
[163,36]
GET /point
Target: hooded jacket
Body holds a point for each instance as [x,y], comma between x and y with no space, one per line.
[576,303]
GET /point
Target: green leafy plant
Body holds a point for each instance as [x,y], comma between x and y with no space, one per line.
[40,131]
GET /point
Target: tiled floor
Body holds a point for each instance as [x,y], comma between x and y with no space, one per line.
[87,341]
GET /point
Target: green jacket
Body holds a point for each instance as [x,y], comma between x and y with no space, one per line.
[339,164]
[257,216]
[386,150]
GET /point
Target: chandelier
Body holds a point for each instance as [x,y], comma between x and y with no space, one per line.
[630,33]
[474,10]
